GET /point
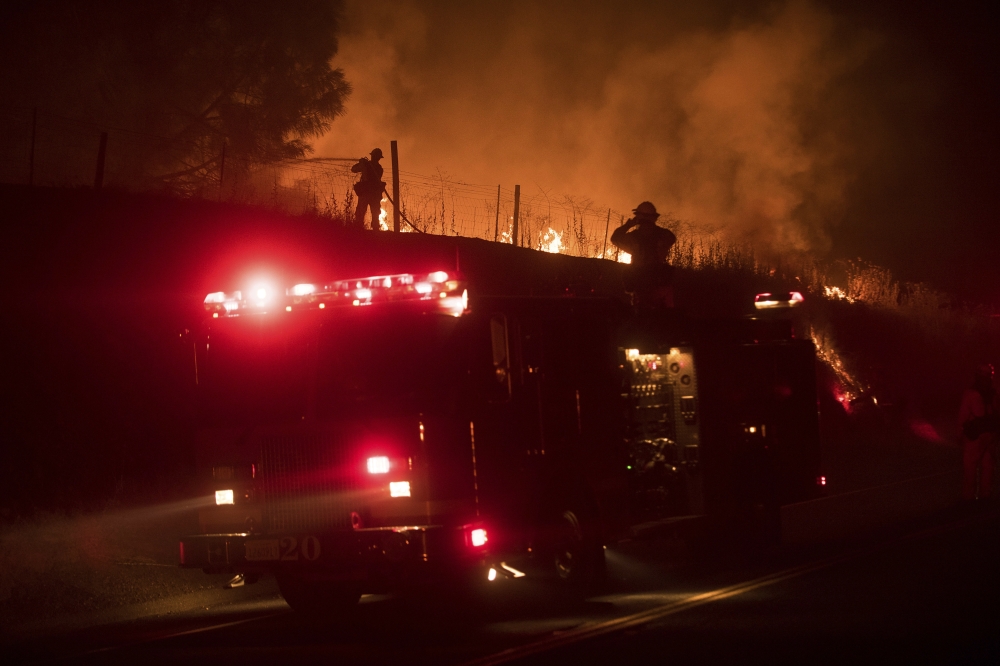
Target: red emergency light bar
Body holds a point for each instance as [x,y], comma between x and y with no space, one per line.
[436,292]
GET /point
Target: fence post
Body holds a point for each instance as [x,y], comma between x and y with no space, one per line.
[618,249]
[31,155]
[395,185]
[222,169]
[496,224]
[607,225]
[99,175]
[517,210]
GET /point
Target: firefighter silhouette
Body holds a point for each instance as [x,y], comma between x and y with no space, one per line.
[649,276]
[979,420]
[369,189]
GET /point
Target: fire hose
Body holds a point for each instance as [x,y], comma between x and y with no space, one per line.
[413,226]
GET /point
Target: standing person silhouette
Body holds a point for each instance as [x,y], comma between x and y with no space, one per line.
[369,189]
[649,276]
[978,419]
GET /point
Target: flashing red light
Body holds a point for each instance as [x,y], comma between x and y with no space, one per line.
[378,465]
[438,276]
[446,289]
[478,538]
[820,480]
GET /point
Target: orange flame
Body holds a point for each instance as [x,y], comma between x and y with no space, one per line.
[383,216]
[849,388]
[551,241]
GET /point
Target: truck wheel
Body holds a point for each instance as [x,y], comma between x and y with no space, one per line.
[577,554]
[314,597]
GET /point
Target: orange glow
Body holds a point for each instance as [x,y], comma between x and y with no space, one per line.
[837,294]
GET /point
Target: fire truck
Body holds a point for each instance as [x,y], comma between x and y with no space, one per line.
[362,434]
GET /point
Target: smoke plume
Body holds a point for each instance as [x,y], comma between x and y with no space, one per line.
[731,120]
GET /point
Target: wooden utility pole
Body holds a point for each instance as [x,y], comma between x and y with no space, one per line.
[517,211]
[101,151]
[395,186]
[31,155]
[496,224]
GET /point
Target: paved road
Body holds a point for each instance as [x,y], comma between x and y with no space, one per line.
[925,592]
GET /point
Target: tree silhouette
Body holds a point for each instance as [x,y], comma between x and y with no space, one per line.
[189,76]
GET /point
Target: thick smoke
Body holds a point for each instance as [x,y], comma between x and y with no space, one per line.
[730,120]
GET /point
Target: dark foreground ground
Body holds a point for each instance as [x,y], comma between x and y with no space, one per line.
[920,592]
[104,587]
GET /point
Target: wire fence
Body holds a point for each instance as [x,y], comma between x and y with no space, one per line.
[47,149]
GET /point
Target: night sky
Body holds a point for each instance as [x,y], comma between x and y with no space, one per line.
[838,129]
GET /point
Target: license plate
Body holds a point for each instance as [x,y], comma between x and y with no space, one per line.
[263,550]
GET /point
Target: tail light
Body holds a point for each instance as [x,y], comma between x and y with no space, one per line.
[475,536]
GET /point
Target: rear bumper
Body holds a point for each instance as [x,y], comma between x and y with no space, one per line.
[380,556]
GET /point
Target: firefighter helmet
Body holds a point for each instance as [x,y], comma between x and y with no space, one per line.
[377,154]
[646,209]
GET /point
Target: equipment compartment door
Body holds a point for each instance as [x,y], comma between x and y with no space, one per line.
[662,415]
